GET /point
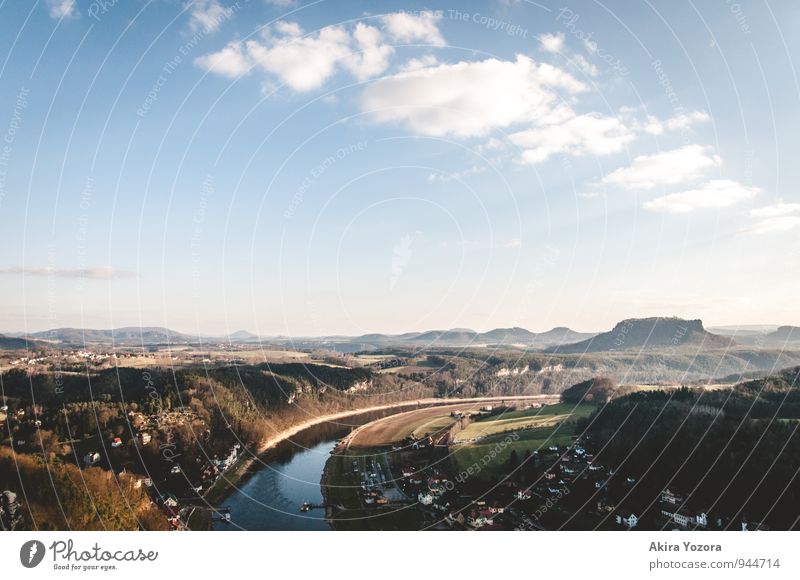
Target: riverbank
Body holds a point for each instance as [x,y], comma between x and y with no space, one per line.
[230,481]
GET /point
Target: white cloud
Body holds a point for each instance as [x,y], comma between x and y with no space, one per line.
[468,98]
[232,61]
[59,9]
[417,27]
[418,63]
[584,134]
[716,193]
[97,273]
[666,168]
[682,121]
[442,177]
[553,43]
[207,15]
[304,63]
[777,217]
[778,209]
[288,28]
[372,56]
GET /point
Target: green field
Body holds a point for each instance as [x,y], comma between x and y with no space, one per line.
[546,417]
[533,429]
[420,427]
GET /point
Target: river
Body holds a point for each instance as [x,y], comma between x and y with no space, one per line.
[271,498]
[290,474]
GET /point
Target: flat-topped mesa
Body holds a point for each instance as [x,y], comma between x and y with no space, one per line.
[648,333]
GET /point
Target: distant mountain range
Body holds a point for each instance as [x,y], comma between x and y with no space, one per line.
[649,333]
[762,335]
[133,336]
[628,335]
[468,337]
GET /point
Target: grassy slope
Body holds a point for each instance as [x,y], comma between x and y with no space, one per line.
[559,432]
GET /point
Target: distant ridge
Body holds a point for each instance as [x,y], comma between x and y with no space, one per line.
[648,333]
[785,334]
[467,337]
[128,335]
[16,343]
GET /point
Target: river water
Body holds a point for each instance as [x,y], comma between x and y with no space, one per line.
[270,498]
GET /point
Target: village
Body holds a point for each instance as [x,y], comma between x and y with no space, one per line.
[542,490]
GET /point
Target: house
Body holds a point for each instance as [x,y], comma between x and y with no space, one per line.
[116,442]
[627,519]
[169,501]
[91,458]
[455,517]
[145,437]
[175,469]
[407,471]
[480,518]
[522,494]
[425,498]
[668,496]
[684,518]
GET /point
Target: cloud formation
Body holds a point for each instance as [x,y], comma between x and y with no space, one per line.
[96,273]
[206,15]
[468,99]
[666,168]
[577,135]
[716,193]
[407,27]
[59,9]
[304,62]
[777,217]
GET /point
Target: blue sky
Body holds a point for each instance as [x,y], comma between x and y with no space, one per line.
[346,167]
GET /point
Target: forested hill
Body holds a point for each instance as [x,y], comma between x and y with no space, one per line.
[733,453]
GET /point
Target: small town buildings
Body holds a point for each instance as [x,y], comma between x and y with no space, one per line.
[91,458]
[668,496]
[627,519]
[425,498]
[116,442]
